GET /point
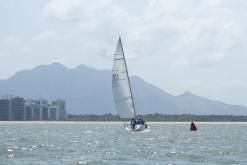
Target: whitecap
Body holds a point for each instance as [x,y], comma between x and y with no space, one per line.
[10,156]
[88,131]
[10,150]
[34,146]
[24,149]
[79,162]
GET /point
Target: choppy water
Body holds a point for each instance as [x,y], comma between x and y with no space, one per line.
[110,144]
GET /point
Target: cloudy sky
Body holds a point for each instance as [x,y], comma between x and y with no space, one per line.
[177,45]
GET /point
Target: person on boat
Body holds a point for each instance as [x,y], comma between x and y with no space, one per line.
[133,123]
[140,121]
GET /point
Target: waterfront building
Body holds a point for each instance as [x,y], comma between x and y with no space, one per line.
[53,112]
[4,109]
[61,109]
[16,108]
[44,110]
[12,108]
[35,106]
[28,110]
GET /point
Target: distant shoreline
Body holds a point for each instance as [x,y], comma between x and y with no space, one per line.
[116,122]
[161,118]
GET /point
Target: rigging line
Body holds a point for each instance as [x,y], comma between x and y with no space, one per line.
[136,95]
[133,104]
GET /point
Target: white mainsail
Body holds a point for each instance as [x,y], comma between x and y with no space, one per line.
[121,86]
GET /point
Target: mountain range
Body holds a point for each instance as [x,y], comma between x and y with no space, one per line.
[88,91]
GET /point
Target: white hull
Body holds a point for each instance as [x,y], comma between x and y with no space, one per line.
[137,127]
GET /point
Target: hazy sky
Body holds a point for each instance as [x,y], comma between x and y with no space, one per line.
[177,45]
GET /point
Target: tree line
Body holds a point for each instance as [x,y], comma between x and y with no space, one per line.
[159,117]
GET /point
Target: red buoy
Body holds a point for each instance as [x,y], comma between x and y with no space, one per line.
[193,126]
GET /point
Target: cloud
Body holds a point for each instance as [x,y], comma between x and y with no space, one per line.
[10,40]
[183,32]
[197,37]
[60,9]
[25,49]
[49,35]
[67,10]
[4,53]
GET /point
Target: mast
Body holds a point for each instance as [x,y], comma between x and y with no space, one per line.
[131,95]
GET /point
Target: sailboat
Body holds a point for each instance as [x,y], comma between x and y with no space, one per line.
[122,93]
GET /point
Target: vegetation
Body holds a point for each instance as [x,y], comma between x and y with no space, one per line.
[161,117]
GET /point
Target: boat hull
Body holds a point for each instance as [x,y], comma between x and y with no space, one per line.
[137,127]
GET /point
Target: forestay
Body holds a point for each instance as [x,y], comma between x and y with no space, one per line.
[121,86]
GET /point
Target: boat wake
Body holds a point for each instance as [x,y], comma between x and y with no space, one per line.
[146,130]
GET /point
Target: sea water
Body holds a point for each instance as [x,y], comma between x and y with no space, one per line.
[101,144]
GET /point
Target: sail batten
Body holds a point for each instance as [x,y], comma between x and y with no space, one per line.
[123,99]
[121,86]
